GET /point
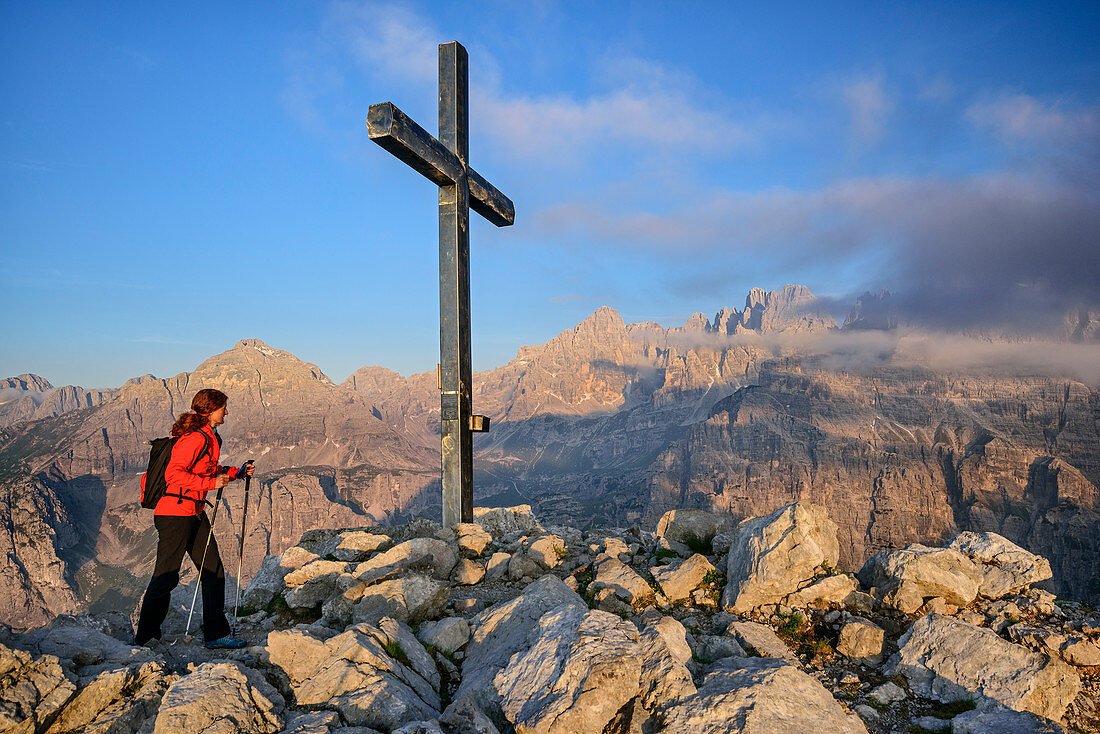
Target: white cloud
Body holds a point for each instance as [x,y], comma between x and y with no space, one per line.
[869,106]
[643,106]
[389,40]
[1021,117]
[991,249]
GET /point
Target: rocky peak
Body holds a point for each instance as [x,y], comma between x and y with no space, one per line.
[27,383]
[277,358]
[1082,325]
[147,377]
[872,311]
[604,320]
[723,319]
[697,322]
[372,379]
[794,308]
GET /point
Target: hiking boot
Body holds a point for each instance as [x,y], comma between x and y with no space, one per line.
[226,643]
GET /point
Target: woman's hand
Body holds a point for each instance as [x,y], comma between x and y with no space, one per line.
[221,481]
[249,469]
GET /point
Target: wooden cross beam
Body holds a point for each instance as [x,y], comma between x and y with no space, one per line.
[445,162]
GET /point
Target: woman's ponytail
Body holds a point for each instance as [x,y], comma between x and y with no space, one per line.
[204,403]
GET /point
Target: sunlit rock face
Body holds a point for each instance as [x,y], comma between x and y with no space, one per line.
[29,397]
[72,480]
[606,424]
[903,456]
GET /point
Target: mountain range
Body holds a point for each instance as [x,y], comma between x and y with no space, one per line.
[606,424]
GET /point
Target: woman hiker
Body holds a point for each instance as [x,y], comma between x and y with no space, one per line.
[182,524]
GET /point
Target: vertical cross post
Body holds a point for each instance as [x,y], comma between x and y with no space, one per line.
[454,293]
[446,162]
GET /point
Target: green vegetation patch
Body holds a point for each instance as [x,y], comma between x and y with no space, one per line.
[953,709]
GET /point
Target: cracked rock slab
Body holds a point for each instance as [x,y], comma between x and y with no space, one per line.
[581,667]
[500,632]
[221,697]
[950,660]
[32,690]
[761,639]
[775,555]
[760,696]
[117,700]
[357,673]
[1005,566]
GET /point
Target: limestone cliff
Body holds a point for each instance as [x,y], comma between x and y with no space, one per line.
[29,397]
[903,453]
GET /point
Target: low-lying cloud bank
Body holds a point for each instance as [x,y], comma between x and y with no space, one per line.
[937,351]
[11,394]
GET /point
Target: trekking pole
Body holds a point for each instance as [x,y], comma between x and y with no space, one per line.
[198,583]
[240,552]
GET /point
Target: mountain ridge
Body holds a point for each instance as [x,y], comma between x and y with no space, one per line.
[605,423]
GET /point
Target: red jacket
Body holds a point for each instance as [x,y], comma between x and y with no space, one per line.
[192,483]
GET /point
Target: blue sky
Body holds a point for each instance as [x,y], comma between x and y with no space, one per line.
[174,178]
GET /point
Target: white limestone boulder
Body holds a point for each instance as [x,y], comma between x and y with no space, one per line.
[760,696]
[467,572]
[313,722]
[472,539]
[500,632]
[446,635]
[1080,651]
[223,696]
[499,521]
[404,555]
[497,567]
[861,641]
[689,526]
[376,676]
[1005,567]
[32,690]
[580,668]
[833,589]
[359,545]
[678,580]
[1003,720]
[760,639]
[314,569]
[117,699]
[672,632]
[67,638]
[410,599]
[545,550]
[521,566]
[942,572]
[950,660]
[775,555]
[665,678]
[621,580]
[270,579]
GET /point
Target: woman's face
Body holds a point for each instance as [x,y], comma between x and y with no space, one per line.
[218,416]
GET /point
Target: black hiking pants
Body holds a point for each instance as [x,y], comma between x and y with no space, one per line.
[176,536]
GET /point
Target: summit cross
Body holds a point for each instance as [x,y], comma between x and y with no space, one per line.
[445,162]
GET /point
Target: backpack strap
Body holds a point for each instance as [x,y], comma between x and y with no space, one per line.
[205,450]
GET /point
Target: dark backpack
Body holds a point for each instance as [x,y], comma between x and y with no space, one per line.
[155,485]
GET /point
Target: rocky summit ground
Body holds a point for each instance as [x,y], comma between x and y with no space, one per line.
[503,625]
